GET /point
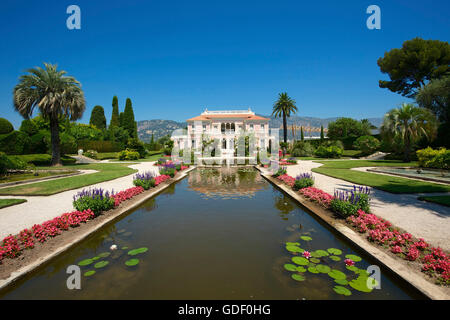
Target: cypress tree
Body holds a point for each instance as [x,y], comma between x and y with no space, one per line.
[321,133]
[115,113]
[128,122]
[98,118]
[302,137]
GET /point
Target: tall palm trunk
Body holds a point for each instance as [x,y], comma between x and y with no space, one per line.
[406,156]
[54,133]
[284,127]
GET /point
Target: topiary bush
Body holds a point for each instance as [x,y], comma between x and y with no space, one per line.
[137,145]
[329,152]
[39,142]
[431,158]
[367,144]
[5,126]
[10,163]
[302,149]
[128,154]
[15,142]
[28,127]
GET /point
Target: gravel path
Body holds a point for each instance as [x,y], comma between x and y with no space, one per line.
[422,219]
[39,209]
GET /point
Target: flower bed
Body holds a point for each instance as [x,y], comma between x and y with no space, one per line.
[434,261]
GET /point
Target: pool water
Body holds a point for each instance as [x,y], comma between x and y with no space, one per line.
[434,175]
[217,234]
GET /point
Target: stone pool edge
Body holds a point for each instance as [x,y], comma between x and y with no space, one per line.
[413,277]
[22,272]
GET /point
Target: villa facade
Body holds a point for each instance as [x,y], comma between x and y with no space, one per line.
[225,127]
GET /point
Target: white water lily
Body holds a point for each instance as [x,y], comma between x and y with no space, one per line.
[113,247]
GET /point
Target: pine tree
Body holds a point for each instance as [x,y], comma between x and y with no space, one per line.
[128,122]
[115,113]
[302,137]
[321,133]
[98,118]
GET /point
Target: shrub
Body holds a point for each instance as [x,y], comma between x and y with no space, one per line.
[38,142]
[344,208]
[68,143]
[430,158]
[367,144]
[41,159]
[145,180]
[138,146]
[15,142]
[95,199]
[128,154]
[10,163]
[348,203]
[5,126]
[281,171]
[91,154]
[329,152]
[302,149]
[100,146]
[28,127]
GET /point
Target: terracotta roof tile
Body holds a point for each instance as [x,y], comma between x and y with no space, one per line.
[227,116]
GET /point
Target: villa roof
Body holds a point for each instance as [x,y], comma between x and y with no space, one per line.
[227,116]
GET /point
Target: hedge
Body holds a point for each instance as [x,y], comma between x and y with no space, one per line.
[5,126]
[15,142]
[100,146]
[41,160]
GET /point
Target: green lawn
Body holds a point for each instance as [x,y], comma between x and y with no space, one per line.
[10,202]
[351,153]
[443,200]
[30,176]
[341,170]
[107,171]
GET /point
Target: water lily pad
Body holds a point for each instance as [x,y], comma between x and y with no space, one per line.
[124,248]
[298,277]
[313,270]
[322,253]
[335,251]
[360,284]
[132,262]
[89,273]
[342,290]
[300,261]
[104,254]
[342,282]
[101,264]
[315,254]
[353,257]
[96,258]
[137,251]
[353,268]
[306,238]
[292,244]
[335,258]
[85,262]
[290,267]
[337,275]
[294,249]
[323,268]
[301,269]
[314,260]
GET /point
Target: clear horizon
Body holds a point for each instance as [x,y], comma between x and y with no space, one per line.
[176,59]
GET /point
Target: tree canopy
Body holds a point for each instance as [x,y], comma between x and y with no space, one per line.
[414,64]
[115,113]
[127,119]
[98,118]
[284,107]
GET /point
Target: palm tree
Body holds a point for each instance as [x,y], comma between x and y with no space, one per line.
[54,94]
[283,107]
[409,123]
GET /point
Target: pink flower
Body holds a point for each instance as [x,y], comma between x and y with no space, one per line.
[349,262]
[307,254]
[396,249]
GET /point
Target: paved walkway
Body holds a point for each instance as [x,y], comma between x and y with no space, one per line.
[39,209]
[422,219]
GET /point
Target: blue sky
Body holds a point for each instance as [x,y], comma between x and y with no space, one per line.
[174,58]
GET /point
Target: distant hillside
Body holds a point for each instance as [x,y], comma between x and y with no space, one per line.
[161,128]
[158,128]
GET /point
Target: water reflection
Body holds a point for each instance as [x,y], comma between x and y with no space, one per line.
[226,183]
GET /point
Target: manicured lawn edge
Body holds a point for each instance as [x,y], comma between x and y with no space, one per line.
[396,266]
[342,170]
[15,183]
[5,203]
[52,187]
[87,229]
[442,200]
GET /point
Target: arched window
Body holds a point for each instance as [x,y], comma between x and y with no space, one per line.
[228,127]
[224,143]
[233,127]
[222,127]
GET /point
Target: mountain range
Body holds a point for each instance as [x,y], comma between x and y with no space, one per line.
[160,128]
